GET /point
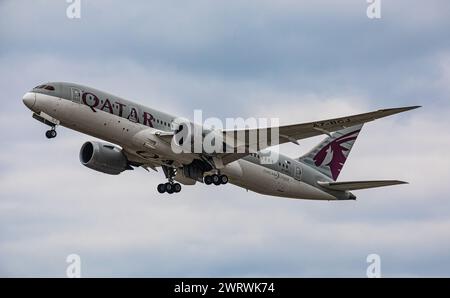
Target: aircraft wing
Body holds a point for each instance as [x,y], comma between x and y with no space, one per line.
[355,185]
[292,133]
[242,144]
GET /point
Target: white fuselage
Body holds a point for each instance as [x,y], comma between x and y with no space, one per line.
[125,133]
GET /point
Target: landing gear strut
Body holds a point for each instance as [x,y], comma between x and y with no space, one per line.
[50,134]
[169,187]
[216,179]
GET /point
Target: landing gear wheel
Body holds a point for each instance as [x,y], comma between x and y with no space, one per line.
[161,188]
[208,180]
[177,187]
[169,187]
[223,179]
[216,179]
[50,134]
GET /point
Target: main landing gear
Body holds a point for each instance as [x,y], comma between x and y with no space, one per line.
[216,179]
[169,187]
[50,134]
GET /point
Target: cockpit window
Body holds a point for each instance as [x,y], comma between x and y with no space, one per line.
[46,87]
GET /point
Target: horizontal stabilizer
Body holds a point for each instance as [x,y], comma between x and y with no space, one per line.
[355,185]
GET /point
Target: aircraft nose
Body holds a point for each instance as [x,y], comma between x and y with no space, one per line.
[29,99]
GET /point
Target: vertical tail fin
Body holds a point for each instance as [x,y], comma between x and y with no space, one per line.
[329,156]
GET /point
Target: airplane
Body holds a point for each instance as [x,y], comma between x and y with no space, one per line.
[138,136]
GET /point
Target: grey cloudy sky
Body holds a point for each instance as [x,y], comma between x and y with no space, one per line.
[297,60]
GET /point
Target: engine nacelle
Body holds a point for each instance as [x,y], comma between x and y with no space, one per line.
[104,158]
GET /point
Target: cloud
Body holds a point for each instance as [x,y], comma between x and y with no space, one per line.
[298,61]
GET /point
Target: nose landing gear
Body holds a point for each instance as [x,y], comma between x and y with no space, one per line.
[50,134]
[47,120]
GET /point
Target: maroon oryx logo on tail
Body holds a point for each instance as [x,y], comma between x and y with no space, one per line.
[334,154]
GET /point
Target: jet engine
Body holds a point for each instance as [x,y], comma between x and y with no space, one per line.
[104,158]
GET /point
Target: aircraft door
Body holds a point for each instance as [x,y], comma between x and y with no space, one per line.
[76,94]
[298,173]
